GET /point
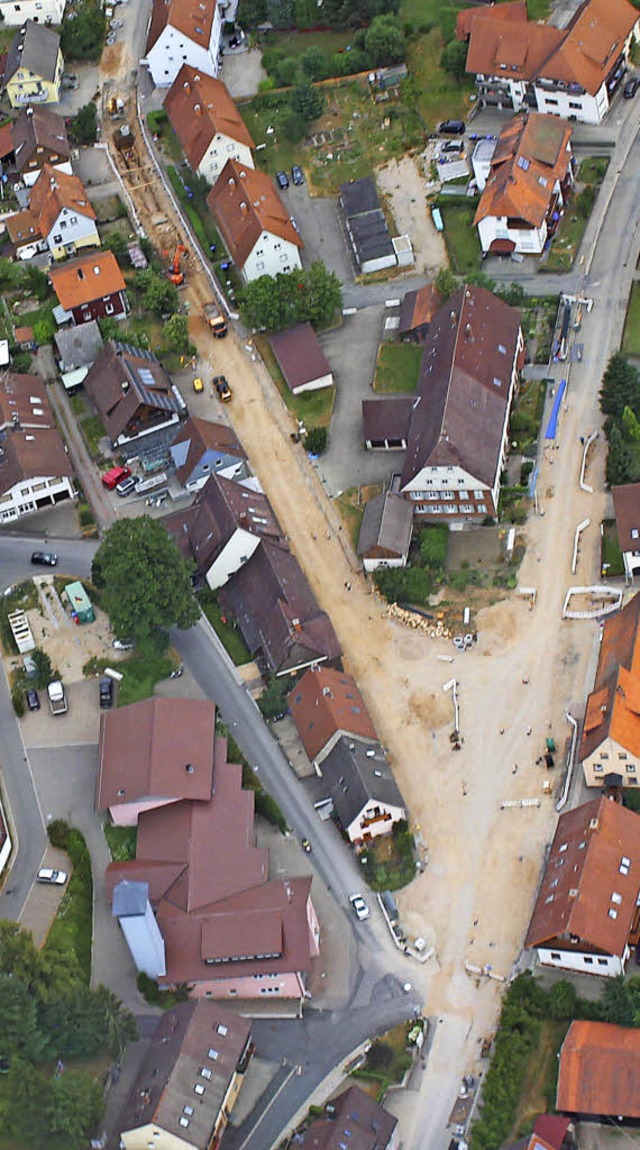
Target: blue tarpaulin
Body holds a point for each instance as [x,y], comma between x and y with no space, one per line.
[552,426]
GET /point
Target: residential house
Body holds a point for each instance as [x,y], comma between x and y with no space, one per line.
[358,783]
[572,72]
[189,1080]
[90,288]
[277,612]
[417,311]
[301,359]
[35,471]
[626,506]
[254,223]
[530,180]
[40,11]
[183,33]
[63,213]
[153,753]
[385,532]
[38,137]
[366,227]
[586,915]
[221,531]
[207,123]
[132,393]
[386,422]
[326,704]
[550,1132]
[610,744]
[599,1070]
[201,449]
[33,71]
[24,235]
[460,418]
[78,348]
[353,1117]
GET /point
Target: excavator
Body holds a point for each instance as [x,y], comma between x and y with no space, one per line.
[174,274]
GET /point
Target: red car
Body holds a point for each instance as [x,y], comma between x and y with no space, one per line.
[112,478]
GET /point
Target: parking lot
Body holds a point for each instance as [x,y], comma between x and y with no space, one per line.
[321,230]
[81,723]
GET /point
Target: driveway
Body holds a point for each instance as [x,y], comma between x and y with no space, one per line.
[242,73]
[80,725]
[319,224]
[88,87]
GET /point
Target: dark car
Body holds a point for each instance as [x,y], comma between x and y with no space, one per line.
[106,692]
[33,701]
[451,128]
[282,179]
[44,558]
[630,88]
[297,175]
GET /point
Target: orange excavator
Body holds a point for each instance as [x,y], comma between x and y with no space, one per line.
[174,274]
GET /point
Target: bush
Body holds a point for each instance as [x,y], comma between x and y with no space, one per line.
[315,441]
[585,201]
[294,128]
[17,698]
[149,989]
[433,546]
[287,73]
[405,585]
[269,809]
[84,126]
[308,102]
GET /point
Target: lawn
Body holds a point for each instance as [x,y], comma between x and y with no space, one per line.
[631,337]
[387,1059]
[294,43]
[397,367]
[228,633]
[72,928]
[141,671]
[388,861]
[164,135]
[564,248]
[593,169]
[439,97]
[121,842]
[351,505]
[461,238]
[312,407]
[93,432]
[541,1072]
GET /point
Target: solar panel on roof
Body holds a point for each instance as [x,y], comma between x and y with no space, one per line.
[146,376]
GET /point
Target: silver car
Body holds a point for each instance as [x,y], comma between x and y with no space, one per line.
[55,877]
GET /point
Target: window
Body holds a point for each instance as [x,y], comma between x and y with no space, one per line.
[283,259]
[555,957]
[188,1110]
[588,961]
[612,913]
[635,534]
[617,898]
[550,101]
[463,494]
[563,848]
[575,104]
[632,782]
[604,755]
[260,265]
[598,768]
[205,1073]
[602,962]
[57,239]
[212,1053]
[198,1089]
[622,754]
[184,1122]
[482,507]
[630,769]
[221,1029]
[109,309]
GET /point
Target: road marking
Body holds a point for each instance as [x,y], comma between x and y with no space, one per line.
[294,1070]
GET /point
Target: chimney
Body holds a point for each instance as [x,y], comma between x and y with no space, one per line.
[80,274]
[197,108]
[468,332]
[244,207]
[125,386]
[296,623]
[187,86]
[232,182]
[29,111]
[196,79]
[188,768]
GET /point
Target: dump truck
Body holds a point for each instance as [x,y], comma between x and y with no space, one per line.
[57,698]
[215,319]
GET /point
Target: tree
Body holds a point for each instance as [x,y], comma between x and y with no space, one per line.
[307,101]
[117,243]
[620,387]
[44,329]
[454,59]
[176,335]
[446,283]
[619,467]
[563,1000]
[273,700]
[313,295]
[629,426]
[35,282]
[84,126]
[314,63]
[385,41]
[261,306]
[43,668]
[25,1118]
[294,128]
[287,72]
[108,327]
[617,1002]
[321,297]
[83,35]
[145,580]
[158,294]
[315,441]
[75,1108]
[20,1033]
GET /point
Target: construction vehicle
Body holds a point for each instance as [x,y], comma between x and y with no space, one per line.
[222,388]
[216,321]
[115,108]
[174,274]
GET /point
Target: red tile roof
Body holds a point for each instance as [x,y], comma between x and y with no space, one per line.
[626,505]
[326,702]
[600,1070]
[86,279]
[199,109]
[245,204]
[532,155]
[613,702]
[515,10]
[193,18]
[53,191]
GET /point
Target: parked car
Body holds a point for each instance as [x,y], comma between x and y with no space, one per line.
[70,83]
[44,558]
[111,39]
[106,692]
[122,644]
[112,478]
[360,908]
[451,128]
[33,702]
[198,384]
[282,180]
[630,88]
[127,486]
[297,175]
[57,877]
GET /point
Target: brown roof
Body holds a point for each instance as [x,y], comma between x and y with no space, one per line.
[300,356]
[626,505]
[613,702]
[199,436]
[386,527]
[600,1070]
[53,191]
[587,889]
[38,127]
[509,49]
[464,386]
[181,1046]
[199,109]
[30,444]
[220,509]
[146,748]
[193,21]
[326,702]
[418,308]
[6,140]
[246,204]
[532,154]
[594,40]
[355,1120]
[277,612]
[387,418]
[22,228]
[515,10]
[124,380]
[88,278]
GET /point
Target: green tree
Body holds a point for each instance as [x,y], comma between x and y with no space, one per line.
[145,581]
[385,41]
[44,329]
[117,243]
[9,273]
[75,1107]
[619,469]
[287,72]
[405,584]
[321,297]
[629,425]
[294,128]
[261,304]
[445,282]
[84,126]
[158,294]
[563,1000]
[18,956]
[108,327]
[20,1033]
[273,700]
[176,335]
[24,1118]
[44,670]
[35,281]
[75,1023]
[314,63]
[433,546]
[620,387]
[617,1002]
[315,441]
[307,102]
[454,59]
[82,36]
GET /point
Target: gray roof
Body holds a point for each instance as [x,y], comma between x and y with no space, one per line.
[354,777]
[78,346]
[386,525]
[370,236]
[359,196]
[129,898]
[35,48]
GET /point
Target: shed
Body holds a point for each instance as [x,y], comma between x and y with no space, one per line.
[301,359]
[385,534]
[75,597]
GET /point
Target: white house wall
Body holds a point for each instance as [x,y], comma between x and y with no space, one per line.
[172,49]
[607,966]
[380,826]
[77,230]
[528,241]
[145,942]
[221,149]
[271,256]
[30,176]
[29,495]
[42,11]
[315,384]
[586,109]
[375,564]
[237,551]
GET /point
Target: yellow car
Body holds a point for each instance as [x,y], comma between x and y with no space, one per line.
[198,384]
